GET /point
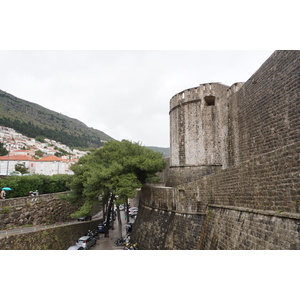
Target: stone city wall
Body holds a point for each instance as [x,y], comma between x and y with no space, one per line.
[264,114]
[253,202]
[159,229]
[234,228]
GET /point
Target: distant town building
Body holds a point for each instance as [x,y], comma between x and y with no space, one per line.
[8,163]
[22,150]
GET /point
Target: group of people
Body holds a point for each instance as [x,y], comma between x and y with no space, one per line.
[31,193]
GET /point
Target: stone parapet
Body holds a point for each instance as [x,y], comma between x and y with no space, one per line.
[22,201]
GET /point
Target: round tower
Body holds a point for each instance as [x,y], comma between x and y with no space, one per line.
[198,131]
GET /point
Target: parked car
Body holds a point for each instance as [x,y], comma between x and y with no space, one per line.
[100,228]
[86,242]
[133,213]
[133,209]
[15,173]
[85,218]
[75,247]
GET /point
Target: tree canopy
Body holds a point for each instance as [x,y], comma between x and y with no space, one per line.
[118,167]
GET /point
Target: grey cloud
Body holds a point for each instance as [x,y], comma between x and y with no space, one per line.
[123,93]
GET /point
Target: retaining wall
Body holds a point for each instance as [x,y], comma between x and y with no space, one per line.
[38,210]
[58,238]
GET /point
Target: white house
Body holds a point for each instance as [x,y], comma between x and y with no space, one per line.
[8,163]
[51,165]
[48,165]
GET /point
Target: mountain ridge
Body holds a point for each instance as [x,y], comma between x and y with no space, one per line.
[34,120]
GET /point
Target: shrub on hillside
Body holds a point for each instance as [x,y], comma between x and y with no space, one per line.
[21,185]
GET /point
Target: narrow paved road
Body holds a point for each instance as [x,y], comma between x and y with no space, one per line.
[107,243]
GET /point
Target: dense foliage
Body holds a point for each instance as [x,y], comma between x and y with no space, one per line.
[33,131]
[21,185]
[3,151]
[119,168]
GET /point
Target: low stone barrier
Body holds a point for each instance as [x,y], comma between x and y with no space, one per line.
[22,201]
[58,238]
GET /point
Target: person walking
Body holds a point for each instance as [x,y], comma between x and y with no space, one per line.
[2,194]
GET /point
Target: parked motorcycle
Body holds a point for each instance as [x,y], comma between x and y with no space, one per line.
[93,234]
[129,228]
[130,246]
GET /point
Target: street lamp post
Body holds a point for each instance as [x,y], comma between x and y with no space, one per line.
[8,159]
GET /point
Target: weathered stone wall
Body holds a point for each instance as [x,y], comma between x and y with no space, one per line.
[164,223]
[185,174]
[22,201]
[197,134]
[260,177]
[264,113]
[234,228]
[58,238]
[167,230]
[265,182]
[38,210]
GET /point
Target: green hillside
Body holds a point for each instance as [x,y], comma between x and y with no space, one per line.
[34,120]
[164,151]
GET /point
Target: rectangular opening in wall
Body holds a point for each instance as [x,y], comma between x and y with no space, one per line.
[209,100]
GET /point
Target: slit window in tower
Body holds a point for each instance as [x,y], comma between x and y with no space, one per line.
[209,100]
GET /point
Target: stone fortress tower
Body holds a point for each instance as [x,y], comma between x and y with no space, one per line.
[198,131]
[233,180]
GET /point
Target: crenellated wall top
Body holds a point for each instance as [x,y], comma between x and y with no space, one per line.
[197,93]
[234,88]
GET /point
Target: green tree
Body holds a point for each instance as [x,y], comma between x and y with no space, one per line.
[39,153]
[21,168]
[117,169]
[40,139]
[3,150]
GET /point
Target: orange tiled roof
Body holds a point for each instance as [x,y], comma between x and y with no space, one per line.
[50,158]
[17,157]
[20,151]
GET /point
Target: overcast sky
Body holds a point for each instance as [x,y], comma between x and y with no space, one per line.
[126,94]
